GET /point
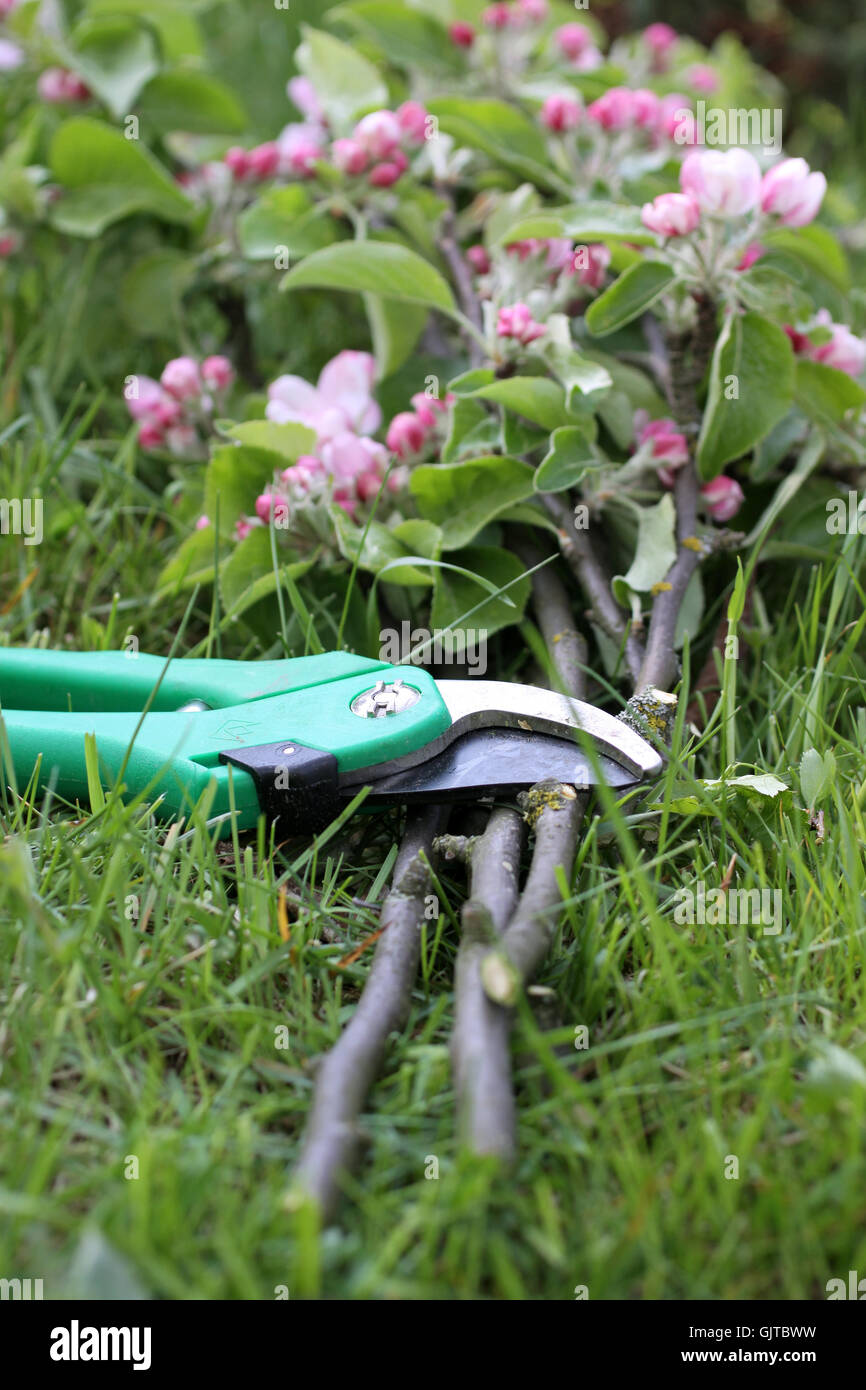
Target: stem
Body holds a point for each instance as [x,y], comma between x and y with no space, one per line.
[479,1044]
[566,645]
[472,320]
[333,1136]
[659,667]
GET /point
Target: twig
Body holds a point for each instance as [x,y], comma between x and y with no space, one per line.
[660,663]
[566,645]
[556,811]
[479,1044]
[461,274]
[581,558]
[332,1135]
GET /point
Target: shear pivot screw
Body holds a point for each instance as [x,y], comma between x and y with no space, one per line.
[384,700]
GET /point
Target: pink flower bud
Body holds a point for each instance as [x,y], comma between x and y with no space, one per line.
[368,485]
[145,397]
[614,110]
[753,252]
[646,108]
[243,527]
[9,244]
[561,113]
[272,506]
[792,193]
[150,435]
[668,446]
[677,120]
[702,78]
[799,341]
[217,373]
[380,134]
[498,16]
[407,435]
[57,85]
[349,156]
[723,497]
[264,161]
[413,119]
[182,441]
[181,378]
[844,351]
[386,174]
[723,183]
[346,499]
[302,152]
[671,214]
[573,40]
[428,408]
[304,95]
[462,34]
[203,523]
[516,322]
[660,39]
[237,160]
[479,260]
[534,10]
[589,264]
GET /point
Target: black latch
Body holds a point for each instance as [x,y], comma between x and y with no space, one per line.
[295,785]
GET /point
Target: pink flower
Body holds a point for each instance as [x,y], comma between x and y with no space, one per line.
[723,497]
[203,523]
[479,260]
[573,40]
[676,119]
[428,408]
[147,398]
[516,322]
[379,133]
[614,110]
[660,39]
[462,34]
[182,441]
[150,435]
[264,161]
[753,252]
[671,214]
[497,16]
[561,113]
[413,118]
[723,183]
[386,174]
[11,55]
[272,505]
[589,264]
[302,92]
[844,351]
[243,527]
[9,244]
[702,78]
[238,161]
[799,341]
[792,193]
[407,435]
[181,378]
[349,155]
[342,399]
[217,373]
[57,85]
[647,108]
[348,456]
[669,448]
[534,10]
[300,147]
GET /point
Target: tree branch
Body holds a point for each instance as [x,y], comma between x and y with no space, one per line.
[552,607]
[460,274]
[332,1136]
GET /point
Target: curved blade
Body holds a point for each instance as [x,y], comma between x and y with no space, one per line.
[494,762]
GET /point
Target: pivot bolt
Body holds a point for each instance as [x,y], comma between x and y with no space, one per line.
[384,700]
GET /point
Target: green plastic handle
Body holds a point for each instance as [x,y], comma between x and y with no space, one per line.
[50,700]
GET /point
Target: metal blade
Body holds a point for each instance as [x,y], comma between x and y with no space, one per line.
[493,762]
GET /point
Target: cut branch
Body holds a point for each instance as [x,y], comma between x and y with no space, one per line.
[333,1136]
[479,1046]
[552,607]
[660,663]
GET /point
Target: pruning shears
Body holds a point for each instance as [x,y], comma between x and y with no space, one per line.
[297,739]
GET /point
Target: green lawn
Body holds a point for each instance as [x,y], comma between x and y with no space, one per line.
[144,983]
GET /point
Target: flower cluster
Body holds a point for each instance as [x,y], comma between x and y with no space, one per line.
[60,87]
[635,109]
[832,344]
[176,412]
[662,446]
[413,431]
[728,183]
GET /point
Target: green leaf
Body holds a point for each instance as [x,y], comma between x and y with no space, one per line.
[395,328]
[189,101]
[175,23]
[405,37]
[655,552]
[463,497]
[584,379]
[498,130]
[817,776]
[346,83]
[628,297]
[583,222]
[373,547]
[116,57]
[151,292]
[192,563]
[537,398]
[108,178]
[248,575]
[285,217]
[289,441]
[235,477]
[569,460]
[458,596]
[825,393]
[817,248]
[754,359]
[374,267]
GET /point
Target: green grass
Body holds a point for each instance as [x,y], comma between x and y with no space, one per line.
[144,977]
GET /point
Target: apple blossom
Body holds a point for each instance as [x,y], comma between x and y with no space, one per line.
[430,409]
[263,161]
[462,34]
[413,119]
[677,120]
[534,10]
[844,351]
[667,444]
[647,108]
[702,78]
[379,133]
[203,523]
[573,40]
[407,434]
[301,147]
[671,214]
[58,85]
[660,39]
[150,435]
[479,260]
[723,497]
[237,160]
[753,252]
[349,155]
[386,174]
[589,264]
[614,110]
[498,16]
[725,183]
[217,373]
[304,95]
[561,113]
[181,378]
[792,193]
[516,321]
[11,55]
